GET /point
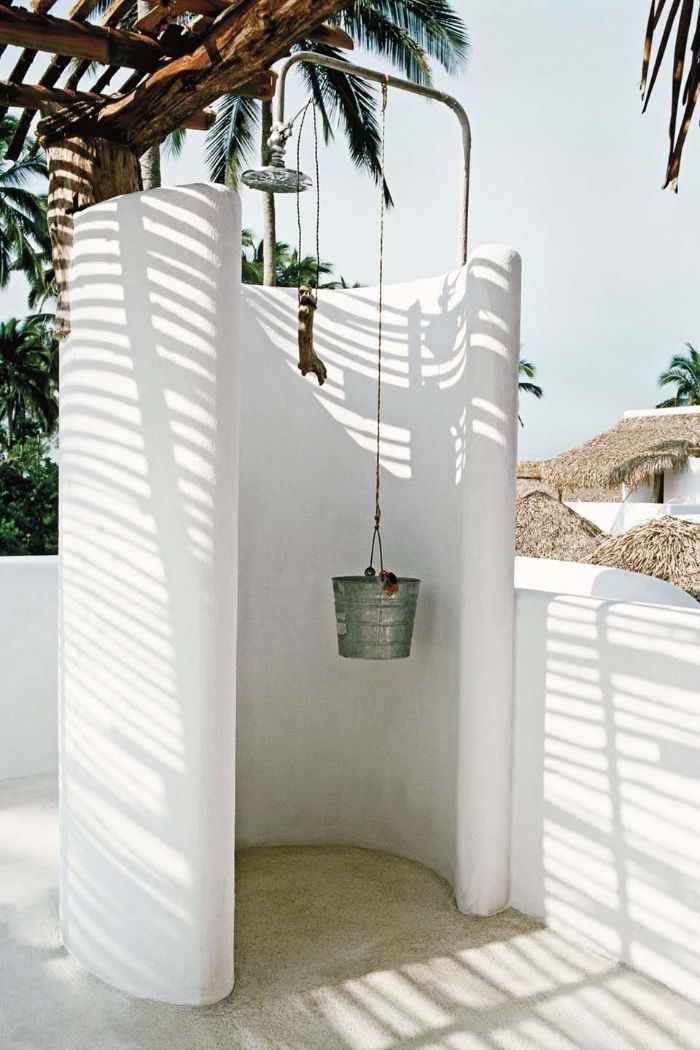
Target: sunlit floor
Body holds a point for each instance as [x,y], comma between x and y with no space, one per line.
[335,948]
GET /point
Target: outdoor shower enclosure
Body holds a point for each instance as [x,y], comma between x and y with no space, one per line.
[208,495]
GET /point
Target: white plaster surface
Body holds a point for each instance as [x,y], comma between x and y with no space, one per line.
[28,666]
[332,750]
[616,518]
[149,414]
[597,581]
[336,949]
[683,486]
[329,750]
[606,783]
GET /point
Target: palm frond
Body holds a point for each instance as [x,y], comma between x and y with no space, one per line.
[231,142]
[433,25]
[680,16]
[352,103]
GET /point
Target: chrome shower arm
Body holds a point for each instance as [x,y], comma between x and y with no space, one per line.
[403,85]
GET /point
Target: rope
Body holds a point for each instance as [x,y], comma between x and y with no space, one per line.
[303,111]
[380,304]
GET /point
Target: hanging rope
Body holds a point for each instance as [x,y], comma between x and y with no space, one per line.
[391,582]
[303,111]
[309,361]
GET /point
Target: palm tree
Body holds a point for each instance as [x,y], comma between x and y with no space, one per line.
[683,372]
[24,234]
[527,369]
[409,33]
[289,272]
[28,376]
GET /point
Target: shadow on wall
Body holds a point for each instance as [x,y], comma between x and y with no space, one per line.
[144,411]
[351,751]
[607,779]
[331,750]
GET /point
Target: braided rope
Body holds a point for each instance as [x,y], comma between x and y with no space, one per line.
[380,304]
[302,112]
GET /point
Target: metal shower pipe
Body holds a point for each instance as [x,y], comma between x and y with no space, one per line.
[403,85]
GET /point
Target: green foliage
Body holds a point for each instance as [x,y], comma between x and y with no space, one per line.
[25,245]
[28,377]
[28,499]
[407,33]
[527,369]
[289,272]
[683,372]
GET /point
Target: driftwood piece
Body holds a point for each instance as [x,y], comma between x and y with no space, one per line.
[81,172]
[308,359]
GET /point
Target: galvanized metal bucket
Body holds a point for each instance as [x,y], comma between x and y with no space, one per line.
[372,623]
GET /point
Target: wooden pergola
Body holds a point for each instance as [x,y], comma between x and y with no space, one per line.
[176,69]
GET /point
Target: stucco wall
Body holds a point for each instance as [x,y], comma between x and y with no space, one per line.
[399,756]
[597,581]
[683,486]
[606,785]
[28,666]
[618,517]
[147,591]
[331,750]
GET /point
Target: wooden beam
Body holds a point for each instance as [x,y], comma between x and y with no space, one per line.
[165,10]
[111,18]
[36,96]
[240,43]
[333,36]
[59,36]
[80,11]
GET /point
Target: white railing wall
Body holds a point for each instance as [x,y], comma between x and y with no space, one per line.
[28,666]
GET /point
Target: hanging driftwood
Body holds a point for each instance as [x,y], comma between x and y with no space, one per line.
[308,359]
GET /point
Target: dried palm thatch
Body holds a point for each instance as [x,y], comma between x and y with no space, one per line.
[668,548]
[635,450]
[684,16]
[546,528]
[529,470]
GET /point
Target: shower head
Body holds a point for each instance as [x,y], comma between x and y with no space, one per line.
[275,177]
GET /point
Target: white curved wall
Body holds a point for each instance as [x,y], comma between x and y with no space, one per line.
[28,666]
[597,581]
[148,505]
[352,751]
[398,756]
[606,781]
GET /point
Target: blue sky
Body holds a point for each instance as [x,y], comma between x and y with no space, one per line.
[566,170]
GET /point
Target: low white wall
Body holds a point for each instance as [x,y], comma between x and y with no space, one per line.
[28,666]
[597,581]
[618,517]
[606,785]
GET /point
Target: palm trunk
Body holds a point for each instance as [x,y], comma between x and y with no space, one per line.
[150,161]
[150,168]
[269,217]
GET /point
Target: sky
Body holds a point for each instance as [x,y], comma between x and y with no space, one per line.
[564,168]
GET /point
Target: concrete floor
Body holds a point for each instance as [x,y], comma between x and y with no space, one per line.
[335,948]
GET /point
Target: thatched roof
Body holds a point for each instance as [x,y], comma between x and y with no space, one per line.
[546,528]
[529,469]
[639,447]
[529,479]
[668,548]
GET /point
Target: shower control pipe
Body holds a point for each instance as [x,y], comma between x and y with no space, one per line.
[403,85]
